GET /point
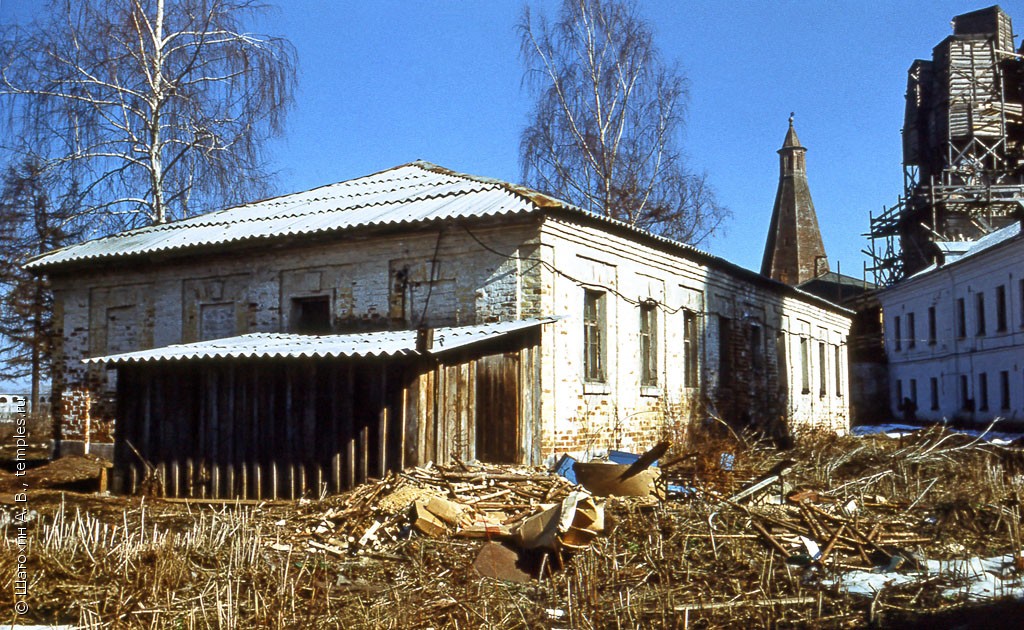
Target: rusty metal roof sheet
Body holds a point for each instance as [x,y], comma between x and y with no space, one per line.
[412,193]
[384,343]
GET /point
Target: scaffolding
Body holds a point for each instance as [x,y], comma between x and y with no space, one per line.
[963,135]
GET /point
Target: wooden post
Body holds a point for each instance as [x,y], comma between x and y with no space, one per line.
[273,480]
[176,474]
[258,474]
[230,487]
[245,482]
[383,435]
[190,477]
[336,471]
[351,464]
[215,486]
[364,449]
[402,427]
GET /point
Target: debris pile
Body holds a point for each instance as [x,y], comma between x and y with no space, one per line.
[837,532]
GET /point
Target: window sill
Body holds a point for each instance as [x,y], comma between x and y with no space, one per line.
[650,390]
[596,388]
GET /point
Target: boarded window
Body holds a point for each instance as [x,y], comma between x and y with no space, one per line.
[724,352]
[691,349]
[648,345]
[756,347]
[594,336]
[780,358]
[122,336]
[122,330]
[311,315]
[216,321]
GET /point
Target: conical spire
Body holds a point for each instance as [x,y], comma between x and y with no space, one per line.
[794,252]
[791,140]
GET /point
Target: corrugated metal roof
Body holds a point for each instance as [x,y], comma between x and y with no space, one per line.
[412,193]
[956,251]
[384,343]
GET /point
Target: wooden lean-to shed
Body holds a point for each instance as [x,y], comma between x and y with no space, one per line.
[285,415]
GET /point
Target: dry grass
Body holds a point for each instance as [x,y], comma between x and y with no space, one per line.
[694,563]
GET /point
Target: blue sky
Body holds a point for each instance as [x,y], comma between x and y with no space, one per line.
[385,82]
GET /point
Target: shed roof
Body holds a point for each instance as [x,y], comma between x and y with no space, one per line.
[384,343]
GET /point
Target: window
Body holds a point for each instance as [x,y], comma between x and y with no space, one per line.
[1022,303]
[648,344]
[838,351]
[593,336]
[1004,390]
[1001,308]
[933,386]
[756,347]
[898,334]
[780,358]
[913,391]
[311,315]
[980,313]
[965,393]
[931,326]
[911,333]
[961,318]
[690,349]
[822,370]
[983,392]
[805,365]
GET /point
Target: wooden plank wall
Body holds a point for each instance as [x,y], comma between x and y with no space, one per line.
[260,429]
[290,428]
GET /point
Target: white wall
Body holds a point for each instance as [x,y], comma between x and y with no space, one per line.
[950,357]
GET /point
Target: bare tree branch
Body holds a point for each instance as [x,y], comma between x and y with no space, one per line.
[605,133]
[157,108]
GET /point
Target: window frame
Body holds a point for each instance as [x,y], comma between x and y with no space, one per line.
[691,349]
[648,341]
[595,324]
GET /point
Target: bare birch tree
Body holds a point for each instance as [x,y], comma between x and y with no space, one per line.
[605,133]
[156,109]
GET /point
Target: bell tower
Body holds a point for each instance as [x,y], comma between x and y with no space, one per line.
[794,252]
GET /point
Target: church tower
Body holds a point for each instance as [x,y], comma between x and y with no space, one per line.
[794,252]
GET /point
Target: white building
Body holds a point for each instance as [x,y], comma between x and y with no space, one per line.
[633,336]
[954,332]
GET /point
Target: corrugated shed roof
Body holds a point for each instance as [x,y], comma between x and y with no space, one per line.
[407,194]
[384,343]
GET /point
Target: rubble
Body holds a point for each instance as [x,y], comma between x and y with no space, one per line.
[473,545]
